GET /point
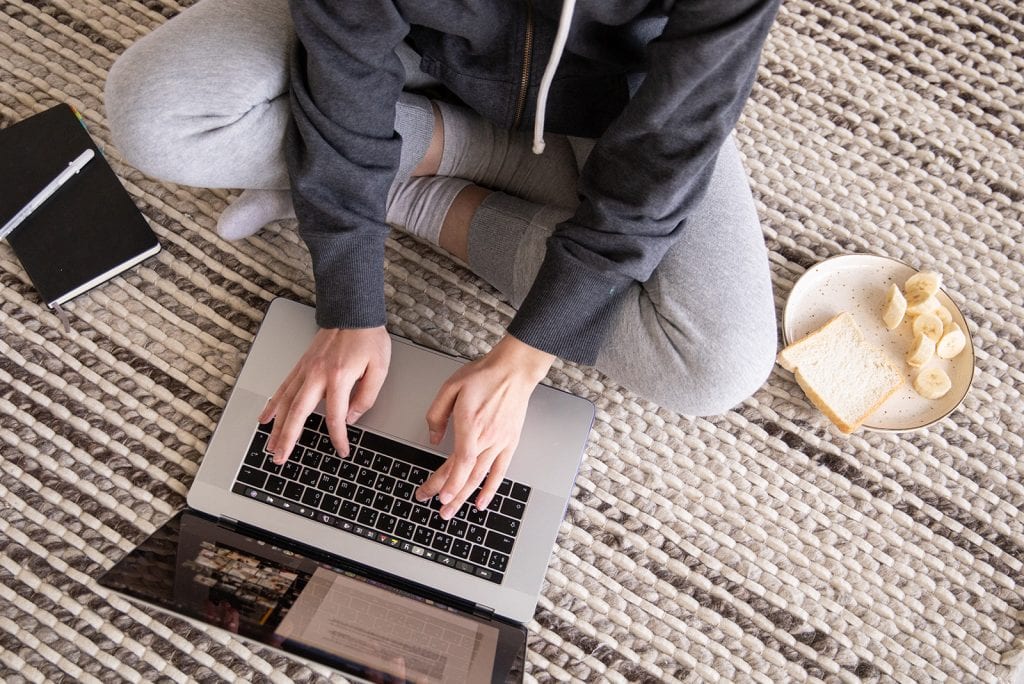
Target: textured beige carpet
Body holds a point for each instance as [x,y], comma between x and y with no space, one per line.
[756,546]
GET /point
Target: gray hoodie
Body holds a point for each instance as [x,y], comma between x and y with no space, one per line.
[660,84]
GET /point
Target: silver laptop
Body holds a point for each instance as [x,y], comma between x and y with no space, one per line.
[333,559]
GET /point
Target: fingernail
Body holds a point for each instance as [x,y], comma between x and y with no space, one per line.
[447,513]
[482,503]
[279,460]
[421,498]
[446,497]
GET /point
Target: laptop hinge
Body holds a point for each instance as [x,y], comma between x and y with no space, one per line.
[229,523]
[483,611]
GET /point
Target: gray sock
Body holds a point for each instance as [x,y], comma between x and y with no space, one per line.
[252,210]
[419,205]
[499,159]
[504,228]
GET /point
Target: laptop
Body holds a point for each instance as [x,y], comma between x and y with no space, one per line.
[333,559]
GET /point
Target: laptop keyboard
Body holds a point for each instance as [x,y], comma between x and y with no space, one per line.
[370,494]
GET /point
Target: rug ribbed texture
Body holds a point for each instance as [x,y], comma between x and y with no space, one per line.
[755,546]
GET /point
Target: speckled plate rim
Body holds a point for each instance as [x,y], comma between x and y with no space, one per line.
[831,263]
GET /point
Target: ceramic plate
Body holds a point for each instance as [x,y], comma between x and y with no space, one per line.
[859,283]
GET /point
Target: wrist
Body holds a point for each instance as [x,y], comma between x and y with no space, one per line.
[523,357]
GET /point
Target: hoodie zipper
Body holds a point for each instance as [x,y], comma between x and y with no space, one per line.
[524,80]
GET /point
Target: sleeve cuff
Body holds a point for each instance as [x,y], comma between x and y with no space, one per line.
[348,272]
[570,308]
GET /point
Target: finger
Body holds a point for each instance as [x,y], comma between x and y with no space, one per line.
[483,464]
[336,400]
[287,396]
[440,410]
[432,485]
[462,460]
[301,406]
[493,481]
[365,394]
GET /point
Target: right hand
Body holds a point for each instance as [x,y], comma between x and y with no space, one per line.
[347,367]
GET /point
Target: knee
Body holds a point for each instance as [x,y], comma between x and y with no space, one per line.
[139,112]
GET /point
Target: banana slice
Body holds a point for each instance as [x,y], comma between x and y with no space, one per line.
[951,343]
[932,383]
[917,306]
[944,315]
[895,308]
[928,324]
[924,284]
[922,351]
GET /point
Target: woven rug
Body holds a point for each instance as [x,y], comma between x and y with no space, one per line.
[755,546]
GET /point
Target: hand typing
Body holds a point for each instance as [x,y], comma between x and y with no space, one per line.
[486,403]
[345,367]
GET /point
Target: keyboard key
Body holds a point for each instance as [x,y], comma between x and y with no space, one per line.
[366,477]
[382,502]
[349,470]
[475,516]
[499,542]
[364,495]
[251,476]
[293,491]
[312,497]
[424,536]
[497,561]
[270,466]
[267,427]
[485,573]
[259,441]
[311,459]
[363,457]
[495,504]
[420,515]
[275,484]
[328,483]
[386,523]
[476,534]
[400,469]
[331,503]
[309,438]
[354,434]
[418,476]
[381,463]
[436,522]
[457,527]
[368,517]
[461,548]
[479,555]
[313,422]
[465,567]
[325,445]
[405,529]
[349,510]
[520,492]
[503,524]
[442,542]
[384,484]
[330,465]
[346,490]
[513,508]
[254,458]
[309,477]
[291,470]
[401,508]
[404,490]
[505,488]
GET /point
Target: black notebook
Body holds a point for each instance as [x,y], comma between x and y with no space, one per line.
[89,230]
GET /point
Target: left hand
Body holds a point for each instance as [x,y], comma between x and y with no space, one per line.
[486,401]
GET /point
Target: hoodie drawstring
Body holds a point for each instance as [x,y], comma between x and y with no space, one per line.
[564,22]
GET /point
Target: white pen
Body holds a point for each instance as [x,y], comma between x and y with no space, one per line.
[74,167]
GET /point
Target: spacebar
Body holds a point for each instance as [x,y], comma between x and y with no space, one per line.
[389,447]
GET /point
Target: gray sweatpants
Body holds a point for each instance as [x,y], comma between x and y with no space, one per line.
[203,101]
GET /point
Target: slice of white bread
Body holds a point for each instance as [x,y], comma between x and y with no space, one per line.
[841,373]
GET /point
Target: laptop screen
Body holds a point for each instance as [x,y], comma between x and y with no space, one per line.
[278,595]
